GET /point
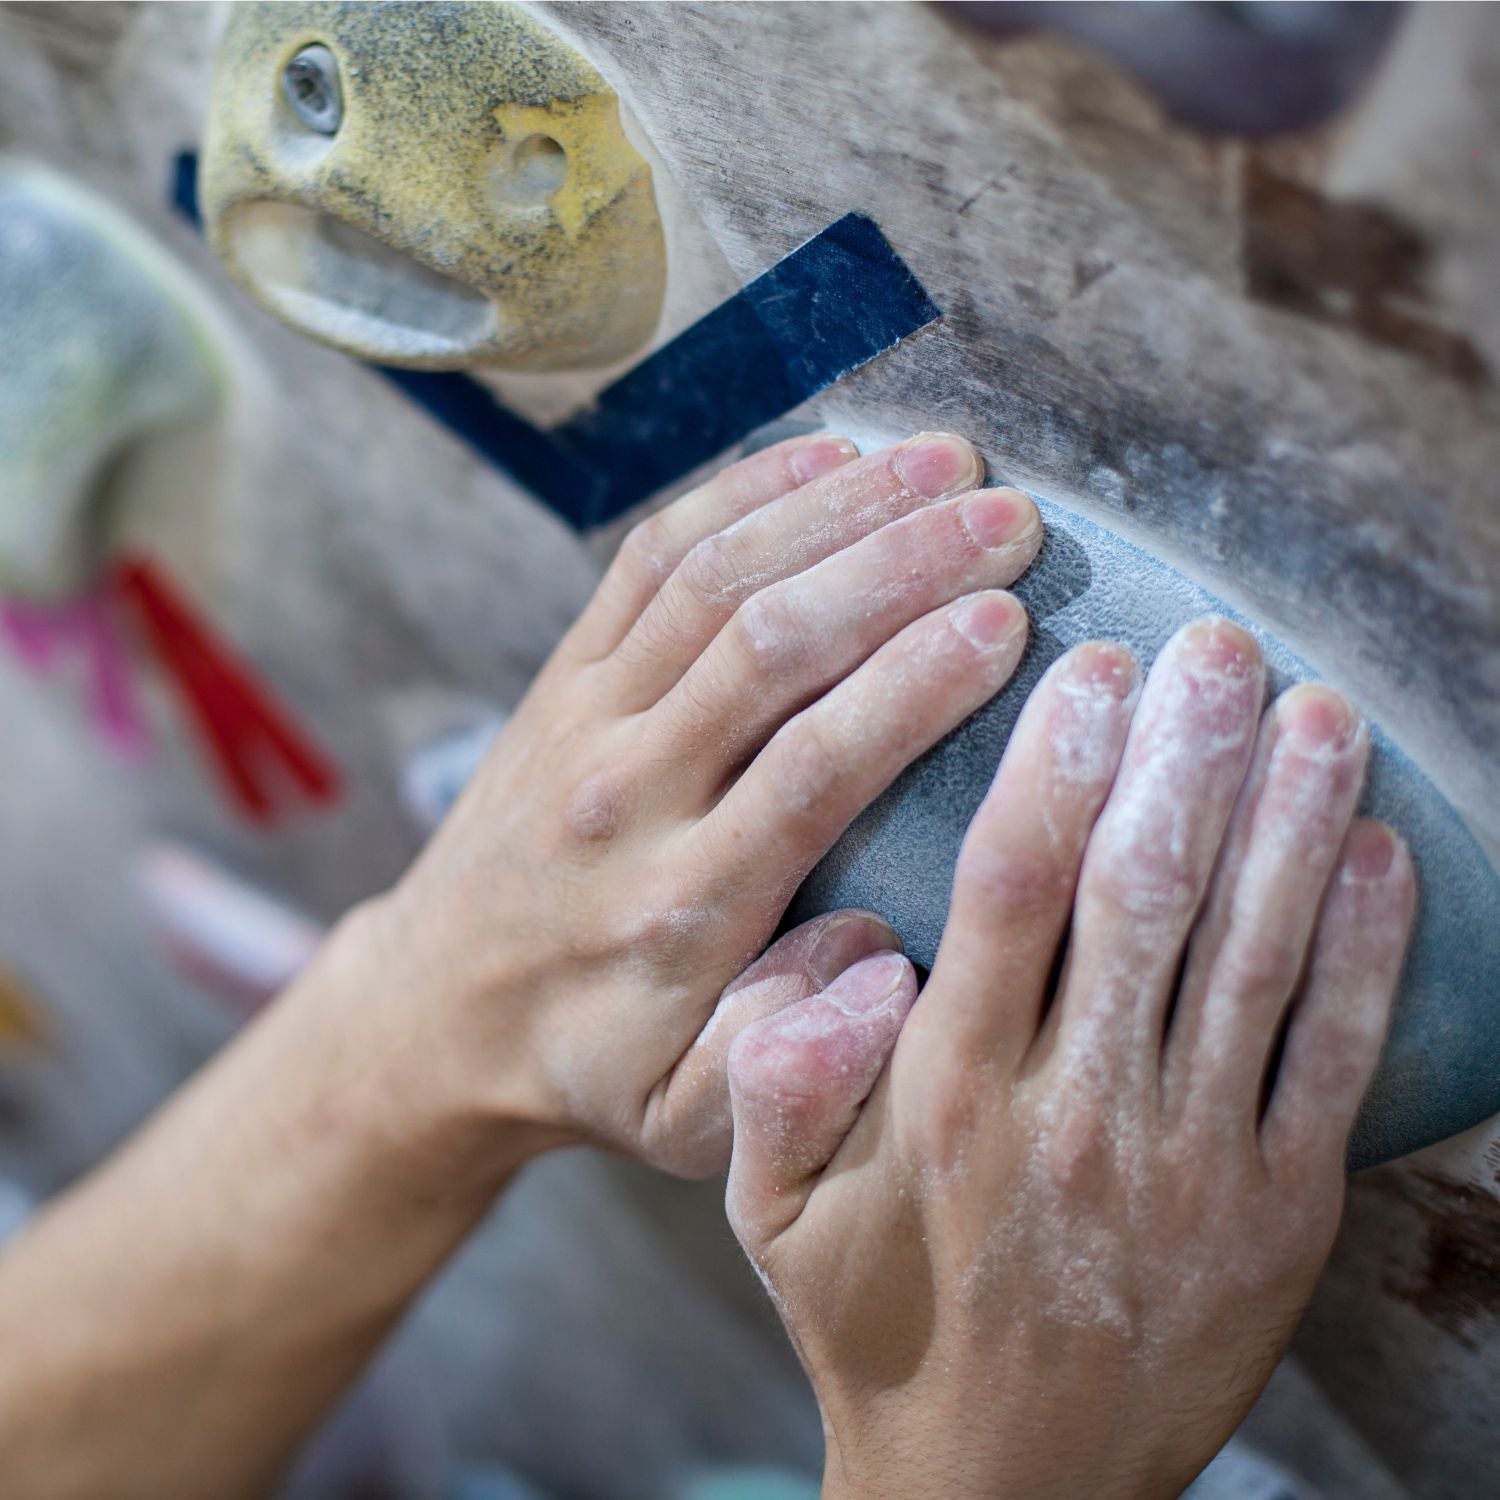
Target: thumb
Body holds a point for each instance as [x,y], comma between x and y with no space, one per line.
[688,1113]
[797,1082]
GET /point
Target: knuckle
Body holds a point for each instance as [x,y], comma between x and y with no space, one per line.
[1147,878]
[596,809]
[805,766]
[1076,1155]
[956,1119]
[711,573]
[772,632]
[1027,884]
[1257,963]
[667,928]
[646,550]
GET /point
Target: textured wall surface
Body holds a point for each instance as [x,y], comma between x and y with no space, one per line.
[1273,367]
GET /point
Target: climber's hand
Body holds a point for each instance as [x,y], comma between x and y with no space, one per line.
[762,659]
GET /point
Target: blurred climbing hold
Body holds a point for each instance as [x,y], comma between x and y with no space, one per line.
[237,942]
[106,348]
[111,348]
[16,1206]
[433,778]
[1225,68]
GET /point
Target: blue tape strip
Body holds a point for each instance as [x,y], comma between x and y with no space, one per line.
[817,315]
[184,193]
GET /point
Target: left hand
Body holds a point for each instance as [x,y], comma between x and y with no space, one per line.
[1047,1235]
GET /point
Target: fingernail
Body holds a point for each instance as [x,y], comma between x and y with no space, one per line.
[989,620]
[1314,717]
[1216,647]
[1370,851]
[868,985]
[1105,666]
[996,518]
[937,464]
[844,941]
[821,457]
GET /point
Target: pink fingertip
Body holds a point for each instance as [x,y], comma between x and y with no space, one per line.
[1106,666]
[989,620]
[1313,716]
[821,457]
[1369,851]
[1214,647]
[996,518]
[936,464]
[871,984]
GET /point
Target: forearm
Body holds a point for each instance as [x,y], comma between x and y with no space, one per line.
[176,1323]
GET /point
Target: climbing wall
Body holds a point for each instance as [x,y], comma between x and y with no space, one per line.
[1270,363]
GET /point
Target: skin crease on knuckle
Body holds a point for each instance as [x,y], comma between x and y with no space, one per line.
[776,635]
[806,768]
[646,550]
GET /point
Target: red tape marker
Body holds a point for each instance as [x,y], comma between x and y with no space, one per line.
[248,733]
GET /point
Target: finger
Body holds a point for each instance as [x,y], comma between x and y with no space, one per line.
[1338,1024]
[687,1125]
[1250,946]
[778,541]
[797,1081]
[823,767]
[795,639]
[1018,869]
[654,547]
[1151,853]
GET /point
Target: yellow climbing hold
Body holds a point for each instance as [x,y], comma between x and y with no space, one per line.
[437,186]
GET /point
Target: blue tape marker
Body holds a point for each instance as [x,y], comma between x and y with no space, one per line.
[185,187]
[817,315]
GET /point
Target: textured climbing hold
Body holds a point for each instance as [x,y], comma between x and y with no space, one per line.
[432,186]
[239,943]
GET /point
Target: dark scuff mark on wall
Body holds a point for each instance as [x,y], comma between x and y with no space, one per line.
[1457,1285]
[1350,265]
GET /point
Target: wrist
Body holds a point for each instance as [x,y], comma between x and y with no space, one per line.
[908,1451]
[411,1077]
[907,1445]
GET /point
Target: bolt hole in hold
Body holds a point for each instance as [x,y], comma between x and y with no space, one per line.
[310,85]
[530,173]
[339,283]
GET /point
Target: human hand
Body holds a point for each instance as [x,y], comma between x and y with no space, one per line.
[1047,1236]
[760,662]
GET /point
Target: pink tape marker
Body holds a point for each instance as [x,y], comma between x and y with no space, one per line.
[41,634]
[113,705]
